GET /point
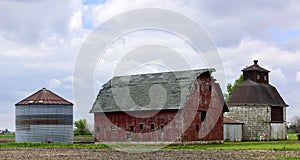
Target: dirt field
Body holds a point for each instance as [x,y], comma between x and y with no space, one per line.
[76,154]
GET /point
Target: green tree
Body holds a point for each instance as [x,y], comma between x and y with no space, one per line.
[231,87]
[295,124]
[81,127]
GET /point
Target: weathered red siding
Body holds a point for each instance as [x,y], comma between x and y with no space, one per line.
[175,121]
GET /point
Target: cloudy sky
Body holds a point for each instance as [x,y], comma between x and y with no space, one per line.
[40,42]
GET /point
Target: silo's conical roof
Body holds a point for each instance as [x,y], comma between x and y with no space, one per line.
[44,96]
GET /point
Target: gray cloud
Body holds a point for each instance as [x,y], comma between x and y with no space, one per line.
[40,41]
[32,21]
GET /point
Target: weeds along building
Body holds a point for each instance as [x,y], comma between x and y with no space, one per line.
[44,117]
[181,106]
[259,106]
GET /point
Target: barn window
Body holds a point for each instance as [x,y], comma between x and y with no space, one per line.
[209,88]
[152,126]
[98,129]
[276,114]
[265,77]
[162,128]
[112,128]
[258,76]
[203,115]
[131,128]
[197,127]
[141,126]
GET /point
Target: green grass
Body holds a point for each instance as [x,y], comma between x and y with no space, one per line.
[12,135]
[288,158]
[291,144]
[269,145]
[293,136]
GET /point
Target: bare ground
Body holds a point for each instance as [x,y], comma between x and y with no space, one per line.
[107,154]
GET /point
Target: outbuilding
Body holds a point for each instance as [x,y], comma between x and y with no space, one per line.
[259,106]
[44,117]
[233,130]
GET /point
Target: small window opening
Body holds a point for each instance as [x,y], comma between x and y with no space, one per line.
[112,128]
[131,128]
[197,127]
[162,128]
[98,128]
[258,77]
[203,115]
[141,126]
[152,126]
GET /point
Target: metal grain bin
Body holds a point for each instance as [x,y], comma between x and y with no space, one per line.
[44,117]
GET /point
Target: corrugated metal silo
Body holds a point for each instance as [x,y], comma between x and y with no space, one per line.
[44,117]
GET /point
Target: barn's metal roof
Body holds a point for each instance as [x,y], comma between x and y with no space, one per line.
[167,90]
[44,96]
[250,92]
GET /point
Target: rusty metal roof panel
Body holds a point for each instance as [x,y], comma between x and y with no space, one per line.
[227,120]
[250,92]
[44,96]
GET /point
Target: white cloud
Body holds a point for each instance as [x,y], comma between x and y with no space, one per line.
[226,21]
[269,56]
[277,77]
[29,22]
[7,115]
[7,121]
[54,83]
[298,76]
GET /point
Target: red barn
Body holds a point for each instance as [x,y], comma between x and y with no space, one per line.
[181,106]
